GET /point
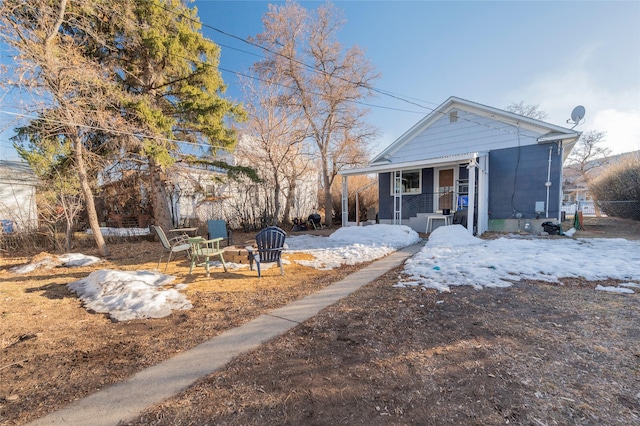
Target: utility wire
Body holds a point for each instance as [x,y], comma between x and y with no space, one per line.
[298,62]
[102,129]
[314,69]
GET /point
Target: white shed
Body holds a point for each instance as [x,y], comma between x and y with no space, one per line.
[18,209]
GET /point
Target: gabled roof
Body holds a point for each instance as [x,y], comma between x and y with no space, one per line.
[16,172]
[548,132]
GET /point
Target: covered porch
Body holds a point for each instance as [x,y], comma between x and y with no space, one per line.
[429,188]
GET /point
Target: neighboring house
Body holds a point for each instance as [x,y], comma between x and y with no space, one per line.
[198,194]
[18,209]
[201,194]
[501,169]
[124,197]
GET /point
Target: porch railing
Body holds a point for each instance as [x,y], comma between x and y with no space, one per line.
[430,202]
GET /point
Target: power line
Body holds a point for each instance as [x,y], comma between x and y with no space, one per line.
[108,131]
[296,61]
[373,89]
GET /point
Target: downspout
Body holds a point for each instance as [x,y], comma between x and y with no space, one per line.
[548,184]
[560,192]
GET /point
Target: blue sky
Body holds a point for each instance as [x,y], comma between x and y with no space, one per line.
[554,54]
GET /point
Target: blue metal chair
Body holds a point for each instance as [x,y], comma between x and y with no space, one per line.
[270,242]
[218,229]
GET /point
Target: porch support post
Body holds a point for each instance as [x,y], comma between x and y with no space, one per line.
[397,197]
[483,194]
[345,201]
[472,196]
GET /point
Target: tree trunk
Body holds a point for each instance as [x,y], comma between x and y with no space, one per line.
[286,214]
[67,236]
[88,198]
[159,196]
[328,204]
[276,201]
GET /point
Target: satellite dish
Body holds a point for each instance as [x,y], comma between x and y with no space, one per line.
[577,114]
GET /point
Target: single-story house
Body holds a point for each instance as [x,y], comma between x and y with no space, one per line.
[489,169]
[18,209]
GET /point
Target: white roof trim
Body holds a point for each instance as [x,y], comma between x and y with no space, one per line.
[388,167]
[570,137]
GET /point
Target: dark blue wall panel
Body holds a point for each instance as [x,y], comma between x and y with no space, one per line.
[517,179]
[385,200]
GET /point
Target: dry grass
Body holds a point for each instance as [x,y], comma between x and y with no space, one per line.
[531,354]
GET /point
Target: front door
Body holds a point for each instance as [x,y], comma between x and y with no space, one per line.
[445,190]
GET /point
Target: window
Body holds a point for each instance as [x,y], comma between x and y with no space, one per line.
[411,182]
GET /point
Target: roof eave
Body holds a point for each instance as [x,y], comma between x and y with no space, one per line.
[388,167]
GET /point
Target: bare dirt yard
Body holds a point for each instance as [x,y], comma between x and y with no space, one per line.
[530,354]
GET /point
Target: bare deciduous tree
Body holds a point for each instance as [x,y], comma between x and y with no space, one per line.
[72,94]
[531,111]
[586,157]
[323,80]
[587,149]
[275,133]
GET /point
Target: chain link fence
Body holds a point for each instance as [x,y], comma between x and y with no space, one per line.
[622,209]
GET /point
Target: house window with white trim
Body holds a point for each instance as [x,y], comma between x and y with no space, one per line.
[411,182]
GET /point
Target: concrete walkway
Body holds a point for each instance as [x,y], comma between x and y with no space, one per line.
[124,401]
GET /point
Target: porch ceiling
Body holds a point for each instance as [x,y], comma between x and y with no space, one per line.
[430,162]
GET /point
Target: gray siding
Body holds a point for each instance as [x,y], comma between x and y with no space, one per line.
[470,133]
[517,179]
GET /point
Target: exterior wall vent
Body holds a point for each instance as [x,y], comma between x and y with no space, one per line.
[453,116]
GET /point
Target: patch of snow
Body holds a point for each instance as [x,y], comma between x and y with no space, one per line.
[122,232]
[78,259]
[127,295]
[68,260]
[614,289]
[352,245]
[634,285]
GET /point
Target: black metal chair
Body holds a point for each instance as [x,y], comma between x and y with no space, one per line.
[315,221]
[270,242]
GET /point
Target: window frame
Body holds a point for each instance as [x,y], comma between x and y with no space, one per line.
[419,188]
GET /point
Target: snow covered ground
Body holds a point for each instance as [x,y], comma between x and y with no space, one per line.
[452,257]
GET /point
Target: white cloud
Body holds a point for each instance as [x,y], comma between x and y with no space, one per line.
[622,127]
[609,107]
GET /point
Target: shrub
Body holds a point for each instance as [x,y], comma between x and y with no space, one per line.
[617,189]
